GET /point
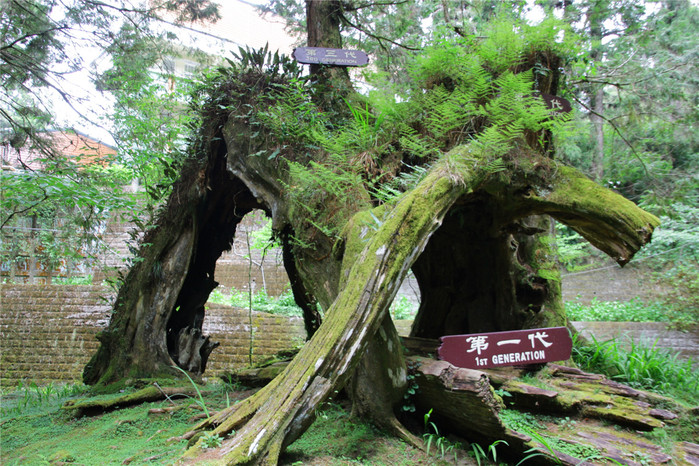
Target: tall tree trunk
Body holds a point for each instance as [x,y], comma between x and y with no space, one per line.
[159,310]
[596,92]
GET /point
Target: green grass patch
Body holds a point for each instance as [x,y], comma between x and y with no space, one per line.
[634,310]
[282,305]
[336,439]
[40,432]
[641,366]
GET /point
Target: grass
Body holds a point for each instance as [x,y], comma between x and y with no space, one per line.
[336,439]
[634,310]
[401,308]
[283,305]
[38,432]
[641,366]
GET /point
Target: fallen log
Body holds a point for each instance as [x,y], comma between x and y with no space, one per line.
[99,405]
[562,414]
[462,397]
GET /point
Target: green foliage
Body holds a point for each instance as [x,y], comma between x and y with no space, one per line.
[200,399]
[432,437]
[530,425]
[284,304]
[210,440]
[403,182]
[492,454]
[677,237]
[634,310]
[323,195]
[57,214]
[403,308]
[574,252]
[28,398]
[640,365]
[473,90]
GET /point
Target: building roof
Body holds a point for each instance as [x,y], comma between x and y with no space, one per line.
[74,146]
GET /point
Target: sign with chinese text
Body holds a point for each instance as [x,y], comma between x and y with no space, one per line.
[325,56]
[515,348]
[557,104]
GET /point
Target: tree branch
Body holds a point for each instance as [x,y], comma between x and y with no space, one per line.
[377,37]
[26,36]
[617,131]
[351,7]
[20,212]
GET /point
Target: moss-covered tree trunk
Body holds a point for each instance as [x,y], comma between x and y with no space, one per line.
[375,259]
[475,234]
[158,313]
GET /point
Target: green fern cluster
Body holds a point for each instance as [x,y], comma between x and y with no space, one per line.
[482,91]
[475,91]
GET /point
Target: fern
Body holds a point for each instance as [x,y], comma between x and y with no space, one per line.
[387,192]
[472,91]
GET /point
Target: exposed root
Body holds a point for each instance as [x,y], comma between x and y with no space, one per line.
[396,428]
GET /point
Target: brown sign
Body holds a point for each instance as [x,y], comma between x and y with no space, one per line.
[557,104]
[515,348]
[325,56]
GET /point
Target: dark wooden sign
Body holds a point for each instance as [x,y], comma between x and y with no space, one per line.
[515,348]
[557,104]
[326,56]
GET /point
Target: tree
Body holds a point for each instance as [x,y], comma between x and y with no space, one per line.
[451,180]
[39,40]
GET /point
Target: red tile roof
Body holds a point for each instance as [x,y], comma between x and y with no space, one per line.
[74,146]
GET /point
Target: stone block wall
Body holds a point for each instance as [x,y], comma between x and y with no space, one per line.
[47,333]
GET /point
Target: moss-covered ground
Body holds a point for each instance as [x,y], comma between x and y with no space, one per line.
[36,431]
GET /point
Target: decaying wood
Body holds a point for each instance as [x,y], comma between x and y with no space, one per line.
[281,411]
[462,397]
[607,415]
[193,349]
[256,376]
[376,259]
[92,406]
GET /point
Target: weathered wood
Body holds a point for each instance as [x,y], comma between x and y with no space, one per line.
[282,410]
[193,350]
[92,406]
[256,376]
[463,402]
[463,398]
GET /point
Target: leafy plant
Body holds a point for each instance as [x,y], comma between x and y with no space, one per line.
[640,365]
[200,399]
[210,440]
[492,454]
[432,437]
[284,304]
[403,308]
[634,310]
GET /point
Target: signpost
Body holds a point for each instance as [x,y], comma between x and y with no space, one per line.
[515,348]
[557,104]
[326,56]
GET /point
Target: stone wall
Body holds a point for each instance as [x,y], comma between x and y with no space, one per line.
[611,283]
[47,333]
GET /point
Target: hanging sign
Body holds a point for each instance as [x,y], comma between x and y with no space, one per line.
[515,348]
[557,104]
[326,56]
